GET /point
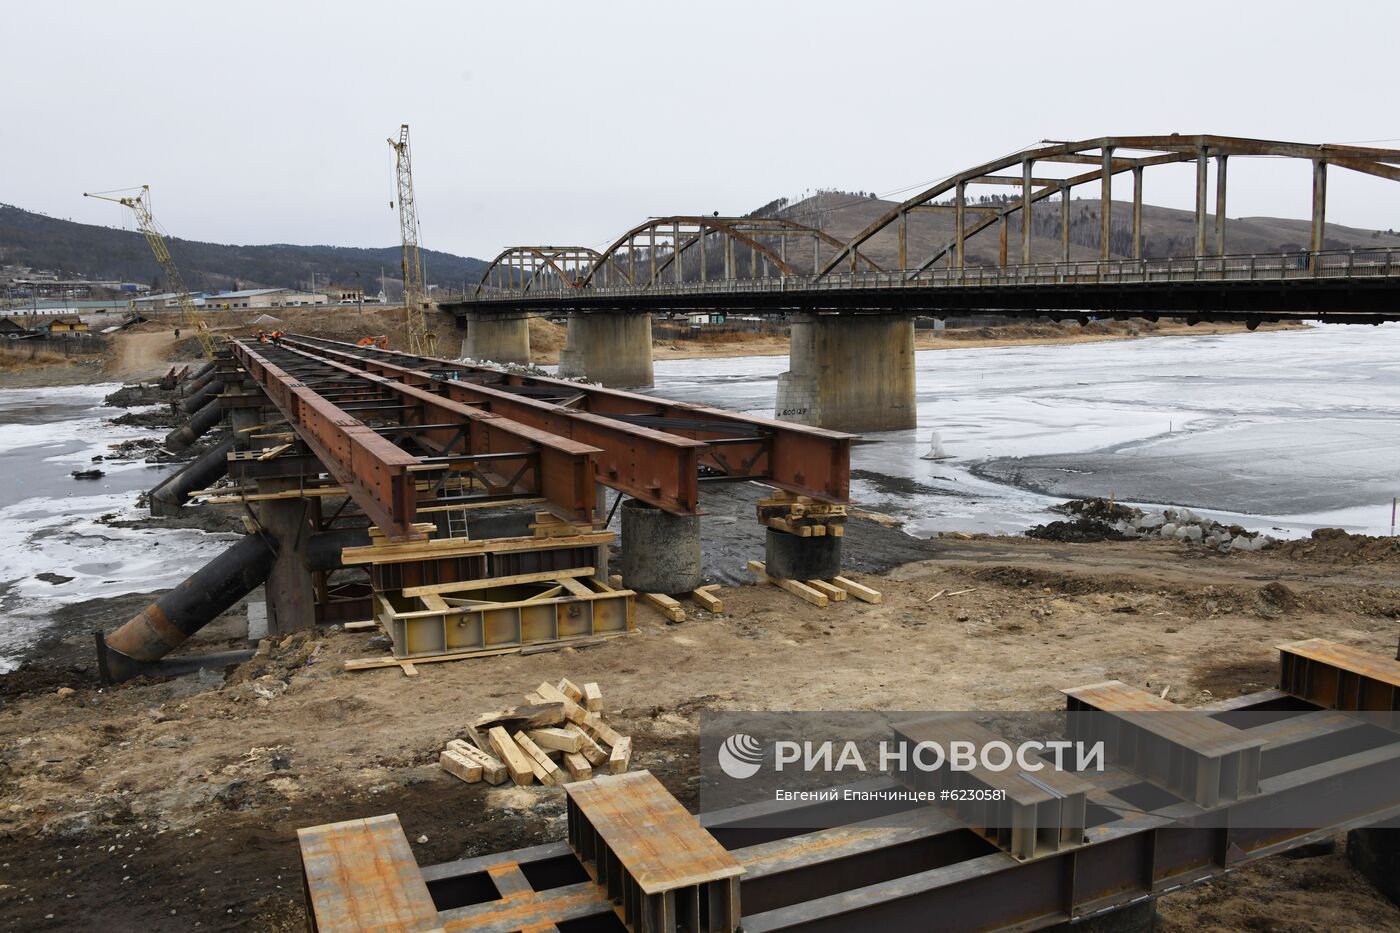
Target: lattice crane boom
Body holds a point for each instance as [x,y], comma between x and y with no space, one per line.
[141,206]
[420,340]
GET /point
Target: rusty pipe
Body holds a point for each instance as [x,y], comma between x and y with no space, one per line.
[194,429]
[197,380]
[205,470]
[201,397]
[169,621]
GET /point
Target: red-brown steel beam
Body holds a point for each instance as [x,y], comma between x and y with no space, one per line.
[803,460]
[650,465]
[563,467]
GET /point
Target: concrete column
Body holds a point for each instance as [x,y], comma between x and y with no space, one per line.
[1137,211]
[1220,205]
[960,212]
[660,551]
[1106,203]
[1026,176]
[614,349]
[1064,224]
[500,337]
[291,596]
[1202,169]
[1376,854]
[850,373]
[1319,206]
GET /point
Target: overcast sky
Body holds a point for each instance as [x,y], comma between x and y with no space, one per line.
[567,123]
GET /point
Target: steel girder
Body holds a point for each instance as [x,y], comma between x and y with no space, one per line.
[651,448]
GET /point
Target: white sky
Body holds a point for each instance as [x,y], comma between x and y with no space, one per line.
[563,123]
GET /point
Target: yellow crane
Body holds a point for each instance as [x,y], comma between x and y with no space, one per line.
[420,340]
[141,207]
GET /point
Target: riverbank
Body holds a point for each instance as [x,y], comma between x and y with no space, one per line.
[202,781]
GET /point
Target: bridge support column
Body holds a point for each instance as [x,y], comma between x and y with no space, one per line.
[291,594]
[498,337]
[613,349]
[850,373]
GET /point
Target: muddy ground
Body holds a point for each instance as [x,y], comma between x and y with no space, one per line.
[173,805]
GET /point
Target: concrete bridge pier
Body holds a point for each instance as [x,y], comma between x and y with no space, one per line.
[613,349]
[498,337]
[850,373]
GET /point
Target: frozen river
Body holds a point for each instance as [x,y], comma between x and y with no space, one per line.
[1281,431]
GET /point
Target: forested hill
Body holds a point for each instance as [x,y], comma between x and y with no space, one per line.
[75,249]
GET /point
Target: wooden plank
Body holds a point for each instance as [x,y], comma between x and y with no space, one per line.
[408,669]
[593,724]
[434,602]
[578,767]
[467,586]
[518,763]
[859,591]
[492,770]
[273,451]
[457,547]
[592,697]
[794,587]
[556,739]
[361,875]
[589,641]
[666,606]
[591,750]
[362,626]
[621,756]
[534,716]
[545,770]
[572,711]
[707,601]
[459,765]
[575,587]
[833,593]
[369,664]
[571,690]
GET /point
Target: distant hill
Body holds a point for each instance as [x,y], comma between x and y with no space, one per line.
[90,251]
[1166,231]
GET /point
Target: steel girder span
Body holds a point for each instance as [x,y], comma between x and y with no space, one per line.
[650,448]
[526,268]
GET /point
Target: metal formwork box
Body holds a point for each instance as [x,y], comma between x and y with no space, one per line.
[1339,676]
[656,863]
[1182,751]
[1040,813]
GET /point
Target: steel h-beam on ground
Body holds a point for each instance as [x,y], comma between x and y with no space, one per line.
[802,460]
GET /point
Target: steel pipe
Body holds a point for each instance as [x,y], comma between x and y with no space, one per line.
[195,428]
[211,466]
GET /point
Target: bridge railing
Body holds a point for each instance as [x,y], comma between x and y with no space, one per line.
[1327,264]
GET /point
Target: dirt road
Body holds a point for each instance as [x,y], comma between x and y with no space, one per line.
[202,782]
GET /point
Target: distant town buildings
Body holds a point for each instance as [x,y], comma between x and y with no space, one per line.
[21,282]
[235,300]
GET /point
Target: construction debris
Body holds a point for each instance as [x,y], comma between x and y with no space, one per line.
[556,737]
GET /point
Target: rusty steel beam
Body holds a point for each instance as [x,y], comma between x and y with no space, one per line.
[379,475]
[803,460]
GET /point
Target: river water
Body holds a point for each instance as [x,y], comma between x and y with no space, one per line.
[1282,431]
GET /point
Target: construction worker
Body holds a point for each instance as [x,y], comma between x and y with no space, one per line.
[262,337]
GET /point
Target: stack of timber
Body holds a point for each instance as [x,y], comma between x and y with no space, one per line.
[802,515]
[556,737]
[819,592]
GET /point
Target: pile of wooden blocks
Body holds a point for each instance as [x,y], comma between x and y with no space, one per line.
[557,736]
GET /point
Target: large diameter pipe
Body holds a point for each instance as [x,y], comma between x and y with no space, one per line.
[203,397]
[210,467]
[194,429]
[169,621]
[197,379]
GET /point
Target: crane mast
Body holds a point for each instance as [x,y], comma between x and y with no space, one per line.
[141,206]
[420,341]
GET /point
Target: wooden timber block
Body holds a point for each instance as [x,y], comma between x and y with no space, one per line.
[621,756]
[552,694]
[833,593]
[556,739]
[600,730]
[591,750]
[706,599]
[365,625]
[535,698]
[459,765]
[570,690]
[859,591]
[535,716]
[666,606]
[545,769]
[615,579]
[492,771]
[578,767]
[592,697]
[408,669]
[519,764]
[795,587]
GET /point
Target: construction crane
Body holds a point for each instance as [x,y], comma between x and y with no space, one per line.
[420,340]
[141,207]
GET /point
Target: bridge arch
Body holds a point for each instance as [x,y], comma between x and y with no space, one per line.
[521,268]
[1110,156]
[667,245]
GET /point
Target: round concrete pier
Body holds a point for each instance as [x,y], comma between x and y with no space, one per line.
[613,349]
[792,557]
[660,551]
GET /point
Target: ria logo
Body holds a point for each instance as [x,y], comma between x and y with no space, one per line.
[741,756]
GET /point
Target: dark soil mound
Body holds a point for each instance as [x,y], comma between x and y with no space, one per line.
[1079,531]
